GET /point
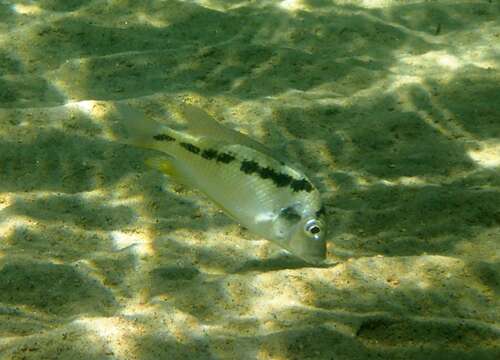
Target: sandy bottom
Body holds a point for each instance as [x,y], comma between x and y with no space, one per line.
[393,109]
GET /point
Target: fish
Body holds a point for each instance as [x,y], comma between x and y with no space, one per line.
[259,190]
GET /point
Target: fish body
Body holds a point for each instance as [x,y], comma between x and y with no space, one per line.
[262,193]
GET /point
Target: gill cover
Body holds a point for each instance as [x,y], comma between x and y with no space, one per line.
[301,233]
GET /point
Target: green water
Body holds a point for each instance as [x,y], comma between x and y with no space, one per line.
[392,109]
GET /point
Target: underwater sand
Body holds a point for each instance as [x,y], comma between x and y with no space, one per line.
[391,107]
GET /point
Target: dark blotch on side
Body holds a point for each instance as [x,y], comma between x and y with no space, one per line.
[190,147]
[282,179]
[163,137]
[279,179]
[249,167]
[225,158]
[267,173]
[302,184]
[209,154]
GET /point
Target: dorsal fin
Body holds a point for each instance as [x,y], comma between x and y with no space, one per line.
[202,125]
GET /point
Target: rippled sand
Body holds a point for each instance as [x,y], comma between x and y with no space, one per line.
[392,107]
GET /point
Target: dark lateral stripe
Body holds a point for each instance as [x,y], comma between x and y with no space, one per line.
[251,167]
[163,137]
[225,158]
[211,154]
[302,184]
[190,147]
[279,179]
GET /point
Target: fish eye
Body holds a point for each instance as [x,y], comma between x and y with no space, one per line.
[312,228]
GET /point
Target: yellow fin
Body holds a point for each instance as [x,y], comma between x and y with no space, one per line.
[162,164]
[168,166]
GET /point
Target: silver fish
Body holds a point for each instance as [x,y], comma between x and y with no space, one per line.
[240,175]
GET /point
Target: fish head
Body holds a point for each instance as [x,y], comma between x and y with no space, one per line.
[302,231]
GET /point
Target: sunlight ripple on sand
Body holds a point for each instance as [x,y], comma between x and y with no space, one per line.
[487,156]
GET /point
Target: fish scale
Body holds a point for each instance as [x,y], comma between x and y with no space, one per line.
[231,187]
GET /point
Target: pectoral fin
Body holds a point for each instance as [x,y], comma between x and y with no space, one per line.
[162,164]
[168,166]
